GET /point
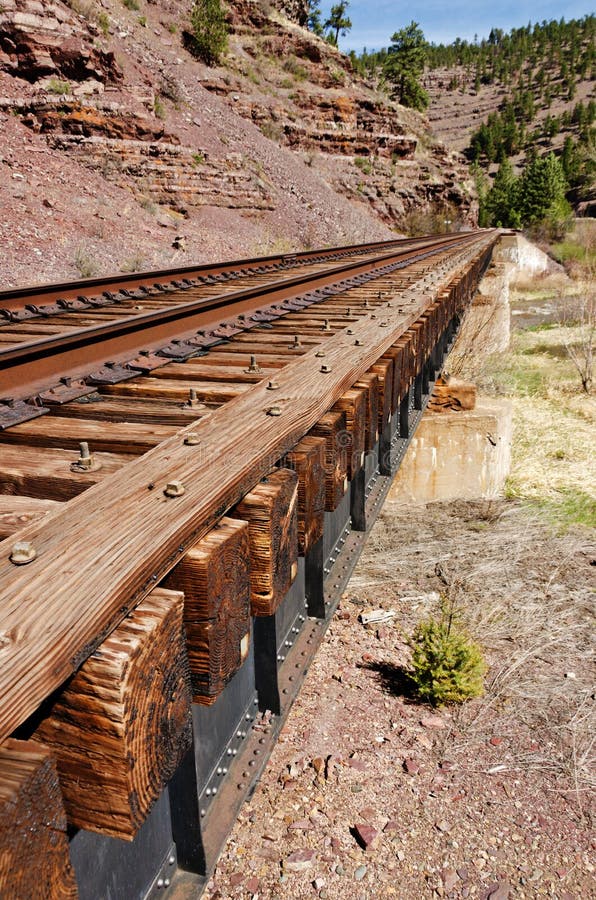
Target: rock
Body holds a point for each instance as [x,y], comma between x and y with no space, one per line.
[318,884]
[360,873]
[443,826]
[433,722]
[299,861]
[391,825]
[450,879]
[301,825]
[357,764]
[366,836]
[318,764]
[499,891]
[496,741]
[368,813]
[236,879]
[411,766]
[252,885]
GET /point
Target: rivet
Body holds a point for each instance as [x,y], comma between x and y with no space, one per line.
[214,791]
[225,770]
[208,792]
[174,489]
[285,691]
[301,618]
[160,882]
[247,717]
[273,411]
[251,762]
[171,860]
[255,702]
[191,439]
[23,552]
[282,657]
[219,770]
[254,366]
[291,678]
[272,386]
[166,882]
[238,734]
[203,813]
[325,369]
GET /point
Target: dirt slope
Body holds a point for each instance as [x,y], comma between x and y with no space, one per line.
[119,151]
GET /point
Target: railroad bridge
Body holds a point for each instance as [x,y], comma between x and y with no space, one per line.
[190,462]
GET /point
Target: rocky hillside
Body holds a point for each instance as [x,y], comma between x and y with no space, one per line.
[120,151]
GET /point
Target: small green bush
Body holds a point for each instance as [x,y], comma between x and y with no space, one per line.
[55,86]
[447,665]
[208,37]
[131,4]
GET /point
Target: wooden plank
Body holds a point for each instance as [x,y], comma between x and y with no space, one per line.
[16,512]
[47,474]
[110,437]
[203,371]
[307,459]
[370,383]
[383,369]
[353,403]
[34,856]
[214,577]
[332,428]
[271,512]
[127,409]
[139,534]
[164,389]
[122,724]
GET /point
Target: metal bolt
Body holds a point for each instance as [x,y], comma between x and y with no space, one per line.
[191,439]
[349,311]
[174,489]
[326,326]
[273,411]
[383,324]
[272,386]
[358,342]
[193,401]
[325,369]
[320,353]
[254,366]
[85,462]
[22,553]
[349,331]
[296,344]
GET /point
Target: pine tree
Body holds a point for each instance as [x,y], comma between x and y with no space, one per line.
[405,64]
[542,192]
[313,21]
[209,31]
[338,23]
[502,201]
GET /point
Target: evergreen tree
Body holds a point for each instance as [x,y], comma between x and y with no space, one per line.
[338,23]
[313,21]
[405,64]
[209,32]
[542,192]
[502,201]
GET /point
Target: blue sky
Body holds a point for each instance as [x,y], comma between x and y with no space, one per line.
[373,23]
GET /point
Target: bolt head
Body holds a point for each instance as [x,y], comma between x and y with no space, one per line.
[191,439]
[23,552]
[174,489]
[325,369]
[273,386]
[273,411]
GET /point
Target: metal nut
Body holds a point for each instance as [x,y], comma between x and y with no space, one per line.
[273,411]
[174,489]
[191,439]
[23,552]
[325,369]
[273,386]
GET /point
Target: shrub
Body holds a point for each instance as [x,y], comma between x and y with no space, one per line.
[447,665]
[209,32]
[55,86]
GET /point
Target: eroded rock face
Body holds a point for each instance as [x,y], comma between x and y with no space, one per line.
[38,39]
[294,10]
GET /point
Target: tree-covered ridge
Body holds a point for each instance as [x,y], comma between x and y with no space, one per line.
[534,49]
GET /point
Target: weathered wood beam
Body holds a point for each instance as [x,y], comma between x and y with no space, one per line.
[17,512]
[122,724]
[34,857]
[307,459]
[332,427]
[271,512]
[214,577]
[139,533]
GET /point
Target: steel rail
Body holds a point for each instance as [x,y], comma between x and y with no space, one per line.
[30,366]
[19,298]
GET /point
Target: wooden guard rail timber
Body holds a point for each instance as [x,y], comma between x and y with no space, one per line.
[177,577]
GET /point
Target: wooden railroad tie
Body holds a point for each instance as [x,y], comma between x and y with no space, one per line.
[271,512]
[307,459]
[34,856]
[122,724]
[214,576]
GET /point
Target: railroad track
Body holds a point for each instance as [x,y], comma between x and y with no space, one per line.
[206,446]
